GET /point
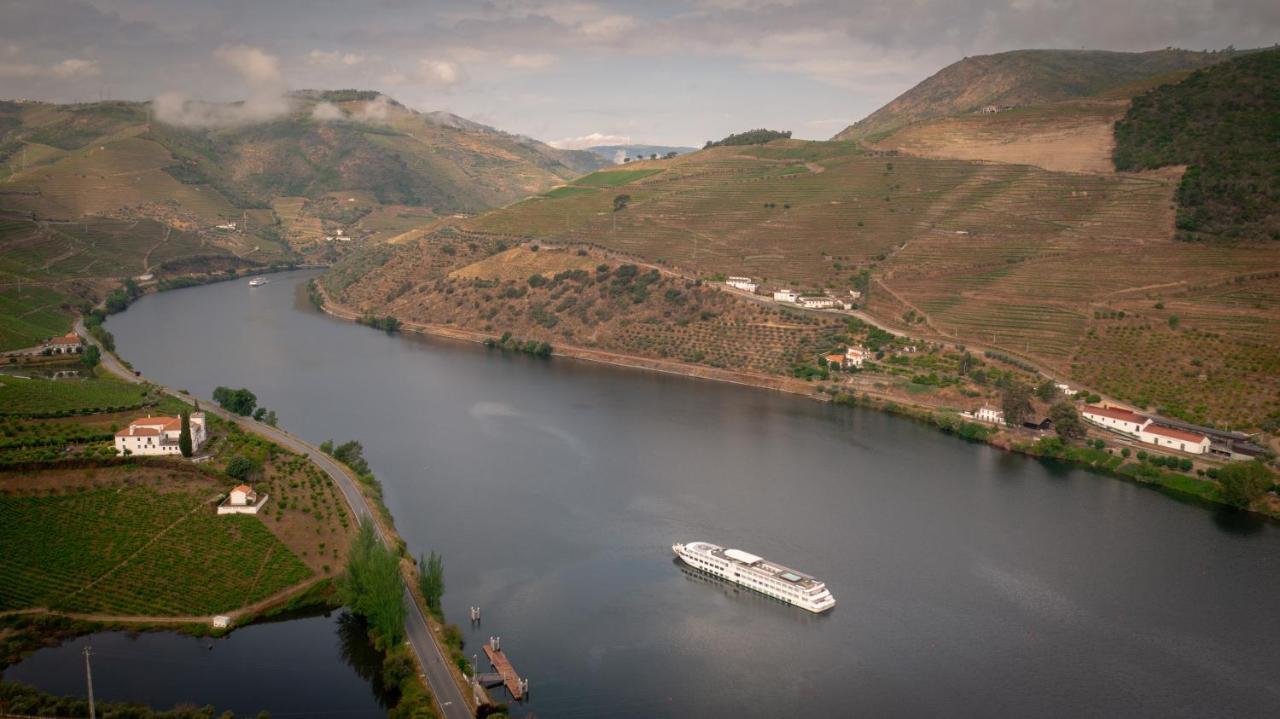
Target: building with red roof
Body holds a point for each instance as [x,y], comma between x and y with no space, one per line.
[159,435]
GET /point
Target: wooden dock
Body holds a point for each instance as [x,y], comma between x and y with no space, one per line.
[498,659]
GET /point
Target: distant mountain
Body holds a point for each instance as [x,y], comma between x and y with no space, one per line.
[205,161]
[615,153]
[1022,78]
[1223,124]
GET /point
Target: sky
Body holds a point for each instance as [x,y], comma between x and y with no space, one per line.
[673,72]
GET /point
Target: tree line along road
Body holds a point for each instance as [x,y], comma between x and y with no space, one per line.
[448,696]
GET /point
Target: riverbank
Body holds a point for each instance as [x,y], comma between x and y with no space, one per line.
[1014,440]
[444,681]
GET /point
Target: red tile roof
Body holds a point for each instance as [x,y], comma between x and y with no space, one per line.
[1175,434]
[71,338]
[1114,413]
[136,431]
[243,488]
[164,423]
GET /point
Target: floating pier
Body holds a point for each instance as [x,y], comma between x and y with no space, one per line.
[506,674]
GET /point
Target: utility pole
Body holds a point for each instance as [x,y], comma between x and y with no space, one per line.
[88,677]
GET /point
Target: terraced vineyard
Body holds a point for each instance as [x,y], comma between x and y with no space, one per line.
[137,549]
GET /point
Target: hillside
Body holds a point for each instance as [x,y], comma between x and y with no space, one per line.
[65,161]
[94,193]
[1223,124]
[1019,79]
[1064,269]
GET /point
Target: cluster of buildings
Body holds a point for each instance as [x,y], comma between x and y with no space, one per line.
[159,435]
[1173,434]
[337,236]
[829,300]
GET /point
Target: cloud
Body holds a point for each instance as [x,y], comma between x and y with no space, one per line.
[333,58]
[534,61]
[373,112]
[67,69]
[327,111]
[266,99]
[592,140]
[438,73]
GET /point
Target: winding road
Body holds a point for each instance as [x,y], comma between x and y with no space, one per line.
[449,698]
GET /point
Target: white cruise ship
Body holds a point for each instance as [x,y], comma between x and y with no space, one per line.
[257,282]
[756,573]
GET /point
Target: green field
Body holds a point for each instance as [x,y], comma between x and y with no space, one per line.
[20,395]
[29,315]
[127,549]
[568,191]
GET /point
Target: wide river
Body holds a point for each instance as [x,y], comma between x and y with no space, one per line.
[970,582]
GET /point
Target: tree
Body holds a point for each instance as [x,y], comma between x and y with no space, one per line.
[1243,483]
[240,467]
[431,580]
[1016,403]
[259,413]
[1066,420]
[371,587]
[1046,391]
[270,418]
[239,401]
[90,357]
[184,435]
[620,202]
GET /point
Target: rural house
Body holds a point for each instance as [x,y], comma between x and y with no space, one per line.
[242,500]
[743,283]
[786,296]
[1178,439]
[817,303]
[989,414]
[159,435]
[1121,420]
[854,356]
[67,344]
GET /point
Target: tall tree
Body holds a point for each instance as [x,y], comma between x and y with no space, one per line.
[431,580]
[1245,482]
[184,435]
[371,587]
[1017,403]
[1066,420]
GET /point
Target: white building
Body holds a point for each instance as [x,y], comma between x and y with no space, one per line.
[242,500]
[990,414]
[743,283]
[70,343]
[855,295]
[786,296]
[1066,390]
[854,356]
[817,303]
[1120,420]
[1181,440]
[159,435]
[226,226]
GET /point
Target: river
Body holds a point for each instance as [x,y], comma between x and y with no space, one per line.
[970,582]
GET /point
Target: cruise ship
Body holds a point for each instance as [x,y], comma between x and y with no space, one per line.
[257,282]
[757,573]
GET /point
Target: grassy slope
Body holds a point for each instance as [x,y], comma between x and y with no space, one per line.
[1222,122]
[1006,255]
[1020,78]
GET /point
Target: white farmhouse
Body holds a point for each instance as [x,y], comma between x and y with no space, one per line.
[743,283]
[855,295]
[159,435]
[1120,420]
[854,356]
[70,343]
[817,303]
[1066,390]
[786,296]
[226,226]
[1181,440]
[990,414]
[242,500]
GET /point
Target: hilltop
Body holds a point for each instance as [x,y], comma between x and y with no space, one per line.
[1223,124]
[1022,78]
[616,153]
[1079,273]
[94,193]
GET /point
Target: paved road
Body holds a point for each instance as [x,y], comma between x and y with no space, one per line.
[452,704]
